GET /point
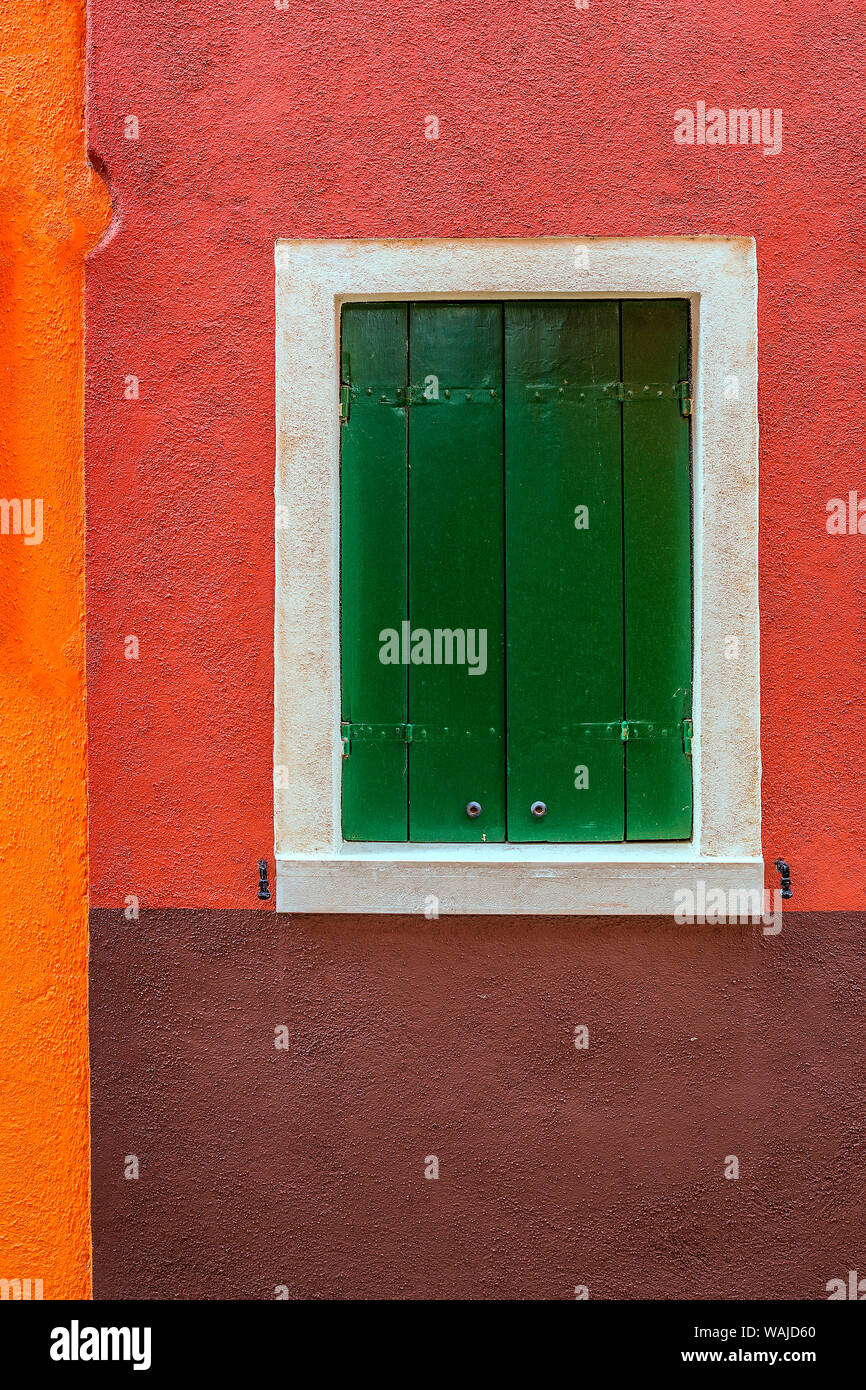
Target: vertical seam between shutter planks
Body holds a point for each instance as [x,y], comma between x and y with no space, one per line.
[622,533]
[408,380]
[505,659]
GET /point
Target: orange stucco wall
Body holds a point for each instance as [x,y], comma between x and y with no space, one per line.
[53,208]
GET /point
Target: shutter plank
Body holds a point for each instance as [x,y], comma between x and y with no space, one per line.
[564,584]
[373,578]
[658,594]
[456,570]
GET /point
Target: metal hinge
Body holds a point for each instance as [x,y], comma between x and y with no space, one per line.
[685,394]
[622,731]
[633,728]
[643,729]
[345,393]
[373,733]
[414,733]
[582,392]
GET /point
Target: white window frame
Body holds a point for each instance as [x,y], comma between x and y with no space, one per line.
[317,871]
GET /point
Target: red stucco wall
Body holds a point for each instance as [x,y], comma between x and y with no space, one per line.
[257,122]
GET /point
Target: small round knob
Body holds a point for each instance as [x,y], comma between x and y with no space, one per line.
[538,809]
[473,809]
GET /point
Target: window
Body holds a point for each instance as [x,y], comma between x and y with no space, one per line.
[516,571]
[711,283]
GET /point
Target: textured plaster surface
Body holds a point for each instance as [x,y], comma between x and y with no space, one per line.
[53,208]
[257,124]
[304,1166]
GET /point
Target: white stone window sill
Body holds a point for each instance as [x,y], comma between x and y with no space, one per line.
[573,880]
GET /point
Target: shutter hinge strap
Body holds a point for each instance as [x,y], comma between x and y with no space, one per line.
[413,733]
[622,731]
[373,733]
[643,729]
[630,392]
[685,394]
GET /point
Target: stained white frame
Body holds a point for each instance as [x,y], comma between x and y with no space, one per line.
[317,871]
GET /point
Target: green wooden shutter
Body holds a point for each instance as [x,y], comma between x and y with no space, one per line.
[658,593]
[588,571]
[456,564]
[373,581]
[564,578]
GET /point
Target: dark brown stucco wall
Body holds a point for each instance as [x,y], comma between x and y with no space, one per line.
[304,1167]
